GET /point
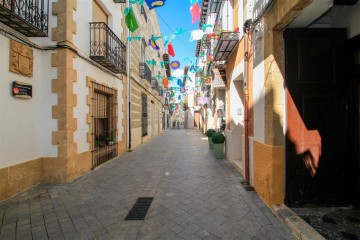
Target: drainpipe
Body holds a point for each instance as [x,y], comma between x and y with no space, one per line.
[247,25]
[128,90]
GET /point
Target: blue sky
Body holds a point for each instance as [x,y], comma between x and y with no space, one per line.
[176,14]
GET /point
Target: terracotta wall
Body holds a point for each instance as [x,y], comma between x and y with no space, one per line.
[268,173]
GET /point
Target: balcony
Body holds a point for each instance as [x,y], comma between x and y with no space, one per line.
[144,71]
[225,45]
[155,85]
[28,17]
[106,48]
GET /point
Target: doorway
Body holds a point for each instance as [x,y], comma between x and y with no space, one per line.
[319,160]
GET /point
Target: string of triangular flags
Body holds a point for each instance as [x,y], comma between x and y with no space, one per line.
[197,34]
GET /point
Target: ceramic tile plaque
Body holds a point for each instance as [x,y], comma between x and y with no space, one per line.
[21,59]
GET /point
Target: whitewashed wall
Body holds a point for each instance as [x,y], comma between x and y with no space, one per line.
[26,125]
[85,69]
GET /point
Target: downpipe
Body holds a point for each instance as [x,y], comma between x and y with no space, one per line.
[128,90]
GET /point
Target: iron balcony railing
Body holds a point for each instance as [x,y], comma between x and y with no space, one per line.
[144,71]
[106,48]
[155,85]
[29,17]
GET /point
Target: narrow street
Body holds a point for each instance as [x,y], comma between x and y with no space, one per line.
[195,197]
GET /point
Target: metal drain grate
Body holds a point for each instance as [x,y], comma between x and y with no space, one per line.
[247,186]
[140,209]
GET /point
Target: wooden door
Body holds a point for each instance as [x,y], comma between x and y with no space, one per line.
[318,163]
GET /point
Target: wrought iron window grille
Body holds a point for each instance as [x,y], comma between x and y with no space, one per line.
[145,72]
[104,122]
[156,86]
[29,17]
[106,48]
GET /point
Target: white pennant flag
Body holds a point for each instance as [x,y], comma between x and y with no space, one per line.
[196,35]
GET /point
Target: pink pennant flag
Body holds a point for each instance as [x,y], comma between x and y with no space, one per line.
[195,12]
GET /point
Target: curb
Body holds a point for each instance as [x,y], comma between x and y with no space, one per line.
[301,229]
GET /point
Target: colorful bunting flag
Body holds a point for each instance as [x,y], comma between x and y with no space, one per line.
[156,37]
[196,35]
[169,39]
[171,50]
[179,82]
[165,82]
[140,2]
[130,19]
[180,31]
[151,62]
[195,12]
[175,65]
[192,68]
[152,43]
[204,26]
[129,39]
[155,3]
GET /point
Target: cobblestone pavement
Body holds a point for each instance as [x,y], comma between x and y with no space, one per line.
[195,197]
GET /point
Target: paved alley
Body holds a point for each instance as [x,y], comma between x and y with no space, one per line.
[195,197]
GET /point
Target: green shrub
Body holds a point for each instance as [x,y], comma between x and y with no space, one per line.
[218,137]
[210,132]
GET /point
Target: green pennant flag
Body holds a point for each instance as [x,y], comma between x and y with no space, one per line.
[130,20]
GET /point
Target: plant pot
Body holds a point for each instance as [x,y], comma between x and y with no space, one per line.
[211,144]
[219,150]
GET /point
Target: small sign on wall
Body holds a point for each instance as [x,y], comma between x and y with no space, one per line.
[21,89]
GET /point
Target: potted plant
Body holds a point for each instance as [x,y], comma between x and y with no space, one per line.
[218,139]
[209,134]
[110,140]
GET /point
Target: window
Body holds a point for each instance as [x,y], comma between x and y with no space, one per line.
[104,124]
[143,50]
[99,15]
[143,13]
